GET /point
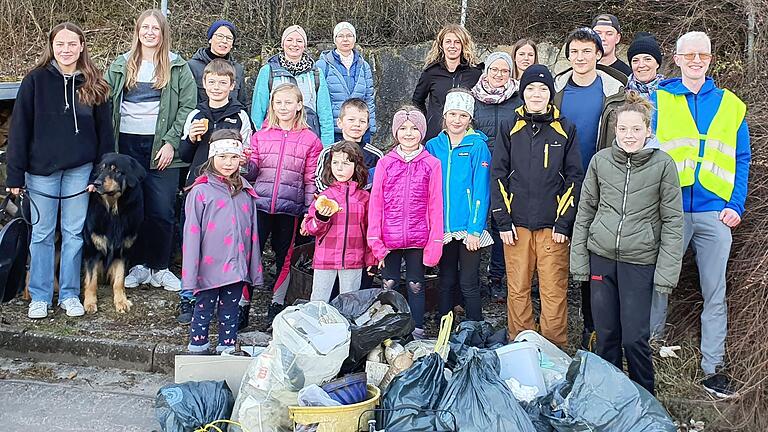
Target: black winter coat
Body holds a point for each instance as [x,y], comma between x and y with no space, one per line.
[488,117]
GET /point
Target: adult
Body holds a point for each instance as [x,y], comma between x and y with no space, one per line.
[293,64]
[645,57]
[221,39]
[348,76]
[524,53]
[496,98]
[153,91]
[61,125]
[704,129]
[450,63]
[588,95]
[607,26]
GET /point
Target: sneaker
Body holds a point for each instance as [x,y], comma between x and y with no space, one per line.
[73,307]
[186,307]
[38,310]
[164,278]
[719,385]
[242,317]
[138,275]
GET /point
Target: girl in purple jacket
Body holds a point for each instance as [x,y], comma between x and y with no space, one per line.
[221,253]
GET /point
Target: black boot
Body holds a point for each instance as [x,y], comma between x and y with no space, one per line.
[242,317]
[497,290]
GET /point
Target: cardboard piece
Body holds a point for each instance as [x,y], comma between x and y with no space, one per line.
[219,368]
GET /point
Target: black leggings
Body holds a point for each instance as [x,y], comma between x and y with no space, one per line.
[460,269]
[414,277]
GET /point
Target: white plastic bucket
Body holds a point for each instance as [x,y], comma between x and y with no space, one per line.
[520,360]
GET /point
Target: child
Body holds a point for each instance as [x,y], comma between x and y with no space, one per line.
[340,226]
[405,218]
[282,168]
[465,160]
[215,113]
[221,250]
[537,175]
[628,238]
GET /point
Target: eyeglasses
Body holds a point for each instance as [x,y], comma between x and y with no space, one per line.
[345,36]
[691,56]
[497,71]
[220,37]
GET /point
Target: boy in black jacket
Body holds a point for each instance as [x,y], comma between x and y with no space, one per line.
[536,179]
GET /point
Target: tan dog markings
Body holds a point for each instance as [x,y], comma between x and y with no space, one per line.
[91,286]
[100,242]
[117,275]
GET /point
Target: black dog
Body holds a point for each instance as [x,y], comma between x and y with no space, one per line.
[115,213]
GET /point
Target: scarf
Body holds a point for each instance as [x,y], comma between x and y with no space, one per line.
[304,65]
[483,92]
[409,156]
[645,89]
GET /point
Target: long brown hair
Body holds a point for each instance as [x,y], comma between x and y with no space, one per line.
[161,59]
[517,74]
[436,53]
[354,155]
[95,89]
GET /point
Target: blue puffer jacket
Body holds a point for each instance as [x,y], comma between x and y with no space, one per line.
[466,181]
[343,84]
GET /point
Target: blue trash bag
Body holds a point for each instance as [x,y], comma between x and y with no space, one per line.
[189,406]
[479,398]
[598,397]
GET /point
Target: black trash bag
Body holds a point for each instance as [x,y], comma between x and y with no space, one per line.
[479,399]
[189,406]
[536,414]
[598,397]
[365,338]
[412,392]
[478,334]
[14,246]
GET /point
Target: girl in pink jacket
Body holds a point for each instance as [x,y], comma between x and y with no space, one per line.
[340,227]
[405,217]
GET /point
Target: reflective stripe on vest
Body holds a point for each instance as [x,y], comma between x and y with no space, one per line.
[679,136]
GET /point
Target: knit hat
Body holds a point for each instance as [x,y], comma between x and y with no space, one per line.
[218,23]
[415,116]
[294,28]
[344,26]
[644,43]
[225,146]
[607,19]
[460,100]
[498,55]
[537,73]
[584,34]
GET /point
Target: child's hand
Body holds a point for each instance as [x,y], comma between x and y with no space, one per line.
[509,237]
[326,207]
[472,242]
[198,128]
[247,152]
[558,238]
[303,228]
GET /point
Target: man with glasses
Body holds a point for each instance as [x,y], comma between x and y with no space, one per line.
[703,128]
[221,38]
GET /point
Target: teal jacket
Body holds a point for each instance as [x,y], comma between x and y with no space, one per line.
[177,100]
[466,181]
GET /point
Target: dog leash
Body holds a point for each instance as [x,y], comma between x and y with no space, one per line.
[26,191]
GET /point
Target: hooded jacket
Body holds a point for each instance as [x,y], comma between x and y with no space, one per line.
[536,173]
[466,172]
[406,206]
[197,65]
[703,106]
[434,83]
[630,211]
[282,169]
[221,241]
[232,116]
[51,129]
[343,84]
[177,99]
[340,241]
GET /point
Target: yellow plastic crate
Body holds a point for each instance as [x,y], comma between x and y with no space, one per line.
[339,418]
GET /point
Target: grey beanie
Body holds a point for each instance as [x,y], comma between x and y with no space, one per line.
[492,57]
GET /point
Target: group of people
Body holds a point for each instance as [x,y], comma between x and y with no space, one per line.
[606,172]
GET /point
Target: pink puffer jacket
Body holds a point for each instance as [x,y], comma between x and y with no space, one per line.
[406,206]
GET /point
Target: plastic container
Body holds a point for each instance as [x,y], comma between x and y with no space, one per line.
[520,360]
[337,419]
[347,390]
[392,349]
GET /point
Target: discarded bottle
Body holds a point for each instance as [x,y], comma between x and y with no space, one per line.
[392,350]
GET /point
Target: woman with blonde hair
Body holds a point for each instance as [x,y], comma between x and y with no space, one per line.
[450,63]
[153,91]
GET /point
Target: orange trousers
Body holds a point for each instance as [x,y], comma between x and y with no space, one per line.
[535,250]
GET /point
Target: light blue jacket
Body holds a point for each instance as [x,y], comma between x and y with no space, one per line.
[338,79]
[466,181]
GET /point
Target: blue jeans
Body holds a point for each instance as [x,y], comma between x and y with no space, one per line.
[42,249]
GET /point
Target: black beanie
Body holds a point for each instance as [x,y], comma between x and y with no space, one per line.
[644,43]
[537,73]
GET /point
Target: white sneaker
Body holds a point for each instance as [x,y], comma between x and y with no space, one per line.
[73,307]
[164,278]
[38,310]
[136,276]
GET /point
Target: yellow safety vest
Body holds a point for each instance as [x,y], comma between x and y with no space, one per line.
[679,136]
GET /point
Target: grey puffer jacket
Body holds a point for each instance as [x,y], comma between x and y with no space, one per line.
[631,211]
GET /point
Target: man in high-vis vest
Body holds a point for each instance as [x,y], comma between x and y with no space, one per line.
[703,128]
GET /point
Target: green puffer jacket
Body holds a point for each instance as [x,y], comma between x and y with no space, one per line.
[631,211]
[177,99]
